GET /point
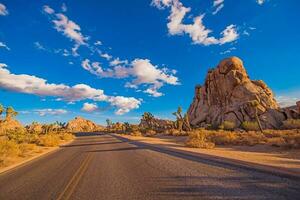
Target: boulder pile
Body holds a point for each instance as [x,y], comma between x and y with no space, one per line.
[227,95]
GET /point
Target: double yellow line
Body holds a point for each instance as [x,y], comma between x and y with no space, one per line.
[69,189]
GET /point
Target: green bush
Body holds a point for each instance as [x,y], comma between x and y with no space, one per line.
[250,126]
[227,125]
[291,124]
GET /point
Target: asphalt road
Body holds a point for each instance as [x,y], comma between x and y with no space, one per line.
[109,167]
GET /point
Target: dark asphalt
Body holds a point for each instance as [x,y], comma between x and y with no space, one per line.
[108,167]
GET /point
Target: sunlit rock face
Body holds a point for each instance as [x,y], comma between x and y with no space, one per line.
[226,94]
[80,124]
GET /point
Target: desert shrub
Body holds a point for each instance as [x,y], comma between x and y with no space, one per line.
[66,136]
[252,138]
[49,140]
[227,125]
[276,141]
[198,139]
[8,151]
[18,135]
[223,137]
[250,126]
[291,124]
[136,133]
[150,133]
[27,148]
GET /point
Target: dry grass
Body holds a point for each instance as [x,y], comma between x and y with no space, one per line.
[278,138]
[150,133]
[136,133]
[291,124]
[250,126]
[66,136]
[175,132]
[198,139]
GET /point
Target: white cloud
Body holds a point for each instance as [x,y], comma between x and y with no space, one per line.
[64,7]
[260,2]
[3,10]
[124,104]
[218,9]
[218,4]
[106,56]
[197,30]
[89,107]
[68,27]
[98,43]
[142,72]
[39,46]
[117,61]
[228,51]
[50,111]
[3,45]
[288,98]
[48,10]
[29,84]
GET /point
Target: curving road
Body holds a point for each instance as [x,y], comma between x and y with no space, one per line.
[108,167]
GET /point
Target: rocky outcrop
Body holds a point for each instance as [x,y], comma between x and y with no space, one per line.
[226,96]
[80,124]
[298,106]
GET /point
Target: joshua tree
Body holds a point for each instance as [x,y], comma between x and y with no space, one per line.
[109,123]
[182,120]
[148,118]
[254,104]
[10,112]
[127,126]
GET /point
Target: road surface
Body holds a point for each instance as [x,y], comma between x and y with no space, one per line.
[108,167]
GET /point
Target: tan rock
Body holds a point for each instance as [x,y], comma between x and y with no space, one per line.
[80,124]
[226,94]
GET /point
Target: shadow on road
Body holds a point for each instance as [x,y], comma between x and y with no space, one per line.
[119,149]
[91,144]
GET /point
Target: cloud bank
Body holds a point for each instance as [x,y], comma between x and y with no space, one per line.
[29,84]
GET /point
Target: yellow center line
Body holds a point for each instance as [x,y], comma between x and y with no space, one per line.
[67,192]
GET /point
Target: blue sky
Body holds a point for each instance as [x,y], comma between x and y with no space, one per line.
[117,59]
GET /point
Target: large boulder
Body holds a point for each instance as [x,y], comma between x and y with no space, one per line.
[80,124]
[226,96]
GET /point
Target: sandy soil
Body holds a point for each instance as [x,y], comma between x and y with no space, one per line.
[259,154]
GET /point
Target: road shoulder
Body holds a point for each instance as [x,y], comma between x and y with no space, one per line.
[44,152]
[250,160]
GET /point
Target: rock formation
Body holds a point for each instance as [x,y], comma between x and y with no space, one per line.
[298,105]
[226,96]
[80,124]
